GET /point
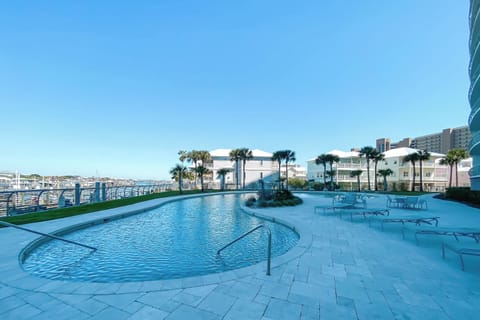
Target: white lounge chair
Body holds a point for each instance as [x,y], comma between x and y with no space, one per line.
[393,202]
[449,231]
[415,203]
[416,219]
[461,250]
[347,201]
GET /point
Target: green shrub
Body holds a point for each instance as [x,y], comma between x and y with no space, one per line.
[250,202]
[281,195]
[297,183]
[317,186]
[261,203]
[463,194]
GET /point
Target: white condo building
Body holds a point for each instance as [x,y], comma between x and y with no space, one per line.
[294,171]
[259,167]
[435,175]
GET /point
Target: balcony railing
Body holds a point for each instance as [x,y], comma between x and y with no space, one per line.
[473,72]
[474,172]
[474,17]
[14,202]
[475,109]
[350,165]
[474,141]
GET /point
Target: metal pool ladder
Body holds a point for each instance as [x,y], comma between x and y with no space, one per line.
[7,224]
[269,249]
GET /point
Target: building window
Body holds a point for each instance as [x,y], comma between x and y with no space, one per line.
[261,175]
[428,174]
[394,162]
[261,163]
[405,174]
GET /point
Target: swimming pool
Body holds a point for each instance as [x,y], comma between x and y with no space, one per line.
[176,240]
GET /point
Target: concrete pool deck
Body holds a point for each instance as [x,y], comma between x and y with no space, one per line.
[340,269]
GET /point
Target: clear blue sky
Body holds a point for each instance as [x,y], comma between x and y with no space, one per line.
[118,87]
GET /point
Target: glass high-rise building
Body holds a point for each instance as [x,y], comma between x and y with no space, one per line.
[474,93]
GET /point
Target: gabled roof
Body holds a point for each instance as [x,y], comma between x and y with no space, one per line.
[220,152]
[340,154]
[344,154]
[261,153]
[402,152]
[226,153]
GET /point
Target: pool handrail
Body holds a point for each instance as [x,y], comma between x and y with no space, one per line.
[269,248]
[7,224]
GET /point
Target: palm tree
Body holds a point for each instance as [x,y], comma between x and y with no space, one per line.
[245,155]
[330,174]
[289,157]
[279,156]
[367,152]
[183,155]
[235,156]
[331,158]
[204,156]
[422,155]
[194,156]
[201,171]
[322,159]
[376,157]
[357,173]
[385,173]
[412,158]
[178,172]
[458,156]
[450,161]
[221,173]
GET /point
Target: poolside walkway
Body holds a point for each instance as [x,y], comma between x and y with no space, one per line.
[341,269]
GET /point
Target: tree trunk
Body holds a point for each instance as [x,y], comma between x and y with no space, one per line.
[201,181]
[413,182]
[279,174]
[237,183]
[286,174]
[368,173]
[421,176]
[358,183]
[324,176]
[244,173]
[195,173]
[222,182]
[331,176]
[456,174]
[451,173]
[385,186]
[375,172]
[180,182]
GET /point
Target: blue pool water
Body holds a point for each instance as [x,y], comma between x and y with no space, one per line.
[179,239]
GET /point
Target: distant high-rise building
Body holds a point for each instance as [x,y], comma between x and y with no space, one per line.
[383,144]
[441,142]
[474,93]
[404,143]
